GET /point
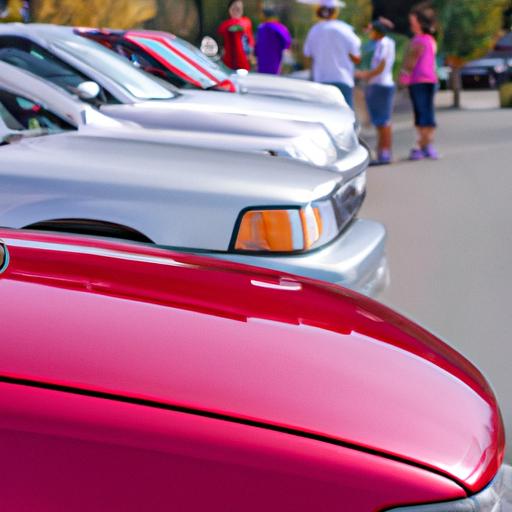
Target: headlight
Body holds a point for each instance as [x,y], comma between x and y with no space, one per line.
[347,140]
[496,497]
[500,68]
[289,230]
[317,148]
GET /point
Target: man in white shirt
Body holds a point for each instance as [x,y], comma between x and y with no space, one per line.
[334,48]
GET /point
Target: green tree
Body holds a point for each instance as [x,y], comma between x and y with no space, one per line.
[467,30]
[358,13]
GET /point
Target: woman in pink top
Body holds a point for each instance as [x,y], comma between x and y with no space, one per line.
[420,74]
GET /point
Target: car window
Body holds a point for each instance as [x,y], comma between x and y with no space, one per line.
[186,59]
[19,114]
[195,53]
[147,63]
[31,57]
[114,67]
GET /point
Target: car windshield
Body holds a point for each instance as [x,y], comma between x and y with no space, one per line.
[186,58]
[139,85]
[24,116]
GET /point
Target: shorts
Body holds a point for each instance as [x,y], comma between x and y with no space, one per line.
[422,97]
[346,90]
[379,99]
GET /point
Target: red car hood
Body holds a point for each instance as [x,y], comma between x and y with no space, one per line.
[228,340]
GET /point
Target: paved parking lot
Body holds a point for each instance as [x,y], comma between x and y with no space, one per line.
[450,235]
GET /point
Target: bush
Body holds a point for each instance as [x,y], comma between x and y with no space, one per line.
[506,95]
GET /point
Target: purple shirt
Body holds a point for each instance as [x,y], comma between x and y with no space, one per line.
[425,69]
[272,39]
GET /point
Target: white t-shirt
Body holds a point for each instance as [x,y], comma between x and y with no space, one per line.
[329,43]
[384,50]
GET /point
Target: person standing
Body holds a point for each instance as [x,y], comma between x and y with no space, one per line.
[4,9]
[334,48]
[380,91]
[237,37]
[420,75]
[272,39]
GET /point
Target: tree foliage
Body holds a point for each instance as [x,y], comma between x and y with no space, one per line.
[468,28]
[358,13]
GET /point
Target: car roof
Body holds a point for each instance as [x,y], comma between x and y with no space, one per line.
[245,344]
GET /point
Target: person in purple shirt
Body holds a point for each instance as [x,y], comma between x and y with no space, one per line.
[272,40]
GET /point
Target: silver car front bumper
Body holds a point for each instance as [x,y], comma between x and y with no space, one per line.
[356,260]
[496,497]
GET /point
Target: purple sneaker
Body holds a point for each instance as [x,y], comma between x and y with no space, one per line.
[416,154]
[430,152]
[384,158]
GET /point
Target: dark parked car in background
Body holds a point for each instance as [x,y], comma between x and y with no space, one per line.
[490,71]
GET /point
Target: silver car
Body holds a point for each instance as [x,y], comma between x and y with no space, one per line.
[276,213]
[284,137]
[124,92]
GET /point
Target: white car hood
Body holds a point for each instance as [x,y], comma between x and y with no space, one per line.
[292,88]
[335,120]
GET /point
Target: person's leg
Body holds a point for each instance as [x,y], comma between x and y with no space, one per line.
[387,96]
[415,95]
[380,104]
[422,96]
[429,125]
[385,134]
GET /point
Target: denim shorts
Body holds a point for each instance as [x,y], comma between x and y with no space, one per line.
[422,97]
[379,99]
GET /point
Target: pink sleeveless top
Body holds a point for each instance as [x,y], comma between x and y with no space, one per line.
[425,69]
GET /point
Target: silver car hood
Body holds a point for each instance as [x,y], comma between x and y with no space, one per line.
[282,87]
[335,120]
[145,163]
[269,146]
[203,115]
[176,196]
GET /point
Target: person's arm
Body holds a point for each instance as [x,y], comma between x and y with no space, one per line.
[249,33]
[286,37]
[308,54]
[356,59]
[370,73]
[412,55]
[355,51]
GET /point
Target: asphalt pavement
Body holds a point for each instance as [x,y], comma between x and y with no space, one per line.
[450,234]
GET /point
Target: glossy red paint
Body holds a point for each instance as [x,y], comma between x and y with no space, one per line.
[301,359]
[63,452]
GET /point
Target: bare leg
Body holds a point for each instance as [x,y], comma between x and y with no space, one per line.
[385,138]
[425,136]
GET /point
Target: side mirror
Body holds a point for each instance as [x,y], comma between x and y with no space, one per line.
[4,257]
[88,90]
[209,47]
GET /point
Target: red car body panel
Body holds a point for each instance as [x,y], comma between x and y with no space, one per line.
[251,346]
[63,451]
